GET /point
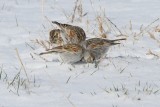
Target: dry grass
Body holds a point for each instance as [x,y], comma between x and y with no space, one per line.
[17,83]
[100,27]
[43,43]
[146,28]
[139,89]
[152,53]
[103,28]
[157,28]
[77,14]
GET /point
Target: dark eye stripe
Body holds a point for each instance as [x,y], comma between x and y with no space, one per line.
[65,25]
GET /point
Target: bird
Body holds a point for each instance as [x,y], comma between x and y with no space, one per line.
[69,53]
[95,48]
[55,37]
[71,34]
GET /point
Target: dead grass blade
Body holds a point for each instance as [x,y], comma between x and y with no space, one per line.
[22,64]
[44,43]
[78,11]
[74,11]
[114,25]
[130,25]
[151,35]
[157,29]
[142,31]
[151,53]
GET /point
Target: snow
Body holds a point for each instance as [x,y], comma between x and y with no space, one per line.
[127,77]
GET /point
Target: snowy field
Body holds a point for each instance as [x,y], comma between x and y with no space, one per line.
[129,76]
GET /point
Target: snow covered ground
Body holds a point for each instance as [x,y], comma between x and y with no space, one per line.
[127,77]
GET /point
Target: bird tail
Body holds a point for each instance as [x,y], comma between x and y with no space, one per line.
[57,23]
[113,43]
[53,50]
[48,52]
[118,39]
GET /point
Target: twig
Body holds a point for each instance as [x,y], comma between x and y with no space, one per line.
[68,79]
[41,43]
[22,64]
[1,72]
[114,25]
[18,86]
[74,11]
[123,69]
[6,77]
[93,9]
[147,27]
[30,46]
[94,72]
[80,10]
[113,64]
[12,92]
[41,57]
[17,75]
[16,20]
[48,20]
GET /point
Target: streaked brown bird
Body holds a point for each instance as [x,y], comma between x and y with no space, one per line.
[71,34]
[69,53]
[95,48]
[55,37]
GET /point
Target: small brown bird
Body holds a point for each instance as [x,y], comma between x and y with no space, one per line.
[95,48]
[55,37]
[69,53]
[71,34]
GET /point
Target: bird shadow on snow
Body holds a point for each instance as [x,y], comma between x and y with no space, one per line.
[98,63]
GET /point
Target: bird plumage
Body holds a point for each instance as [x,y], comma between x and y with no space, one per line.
[71,34]
[69,53]
[96,48]
[55,37]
